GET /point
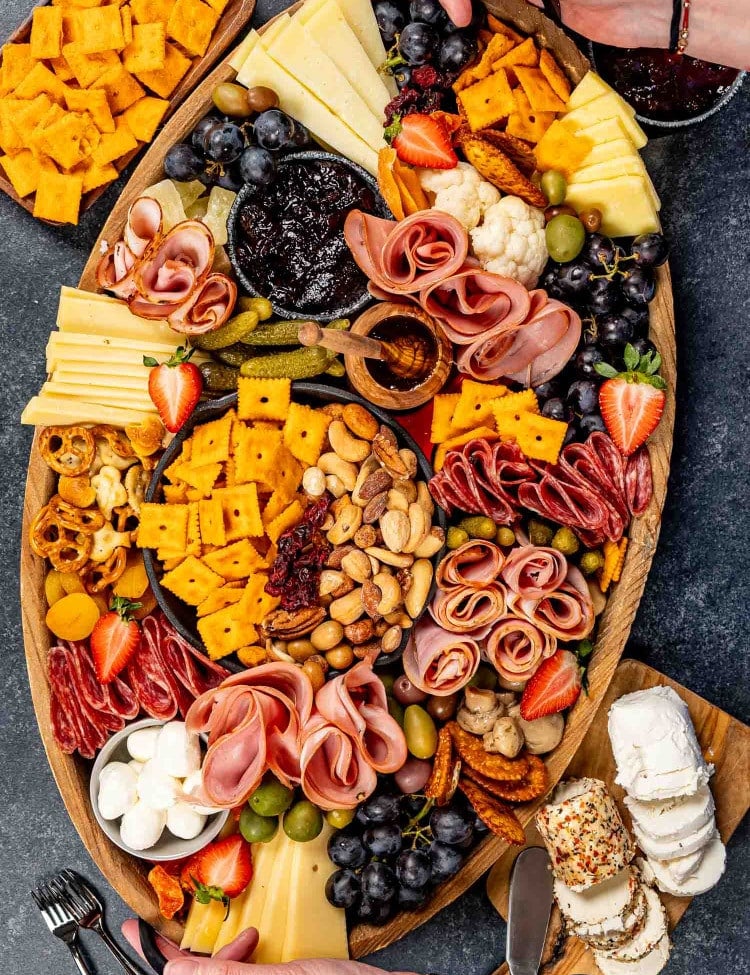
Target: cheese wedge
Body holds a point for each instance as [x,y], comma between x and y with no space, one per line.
[606,130]
[614,149]
[625,204]
[260,69]
[360,17]
[605,107]
[242,51]
[631,165]
[247,913]
[330,29]
[296,50]
[314,928]
[591,86]
[88,374]
[272,922]
[81,311]
[42,411]
[202,926]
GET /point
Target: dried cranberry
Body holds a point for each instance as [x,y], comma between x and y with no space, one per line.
[425,76]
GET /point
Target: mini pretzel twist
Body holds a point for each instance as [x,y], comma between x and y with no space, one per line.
[85,520]
[100,575]
[118,442]
[68,450]
[66,548]
[125,519]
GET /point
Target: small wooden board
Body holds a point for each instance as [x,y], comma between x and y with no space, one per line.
[725,742]
[235,17]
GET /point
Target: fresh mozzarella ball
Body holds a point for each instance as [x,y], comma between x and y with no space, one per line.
[184,822]
[117,790]
[142,743]
[177,751]
[156,788]
[194,783]
[141,826]
[137,767]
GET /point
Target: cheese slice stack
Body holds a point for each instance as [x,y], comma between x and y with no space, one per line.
[95,363]
[323,64]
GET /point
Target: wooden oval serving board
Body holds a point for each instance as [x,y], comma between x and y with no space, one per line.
[235,16]
[127,875]
[724,741]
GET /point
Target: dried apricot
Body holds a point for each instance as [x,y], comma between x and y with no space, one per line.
[133,582]
[148,605]
[73,617]
[72,582]
[53,587]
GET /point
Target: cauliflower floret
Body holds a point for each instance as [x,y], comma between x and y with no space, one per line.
[460,191]
[511,241]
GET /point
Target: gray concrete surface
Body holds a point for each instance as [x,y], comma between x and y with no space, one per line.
[692,623]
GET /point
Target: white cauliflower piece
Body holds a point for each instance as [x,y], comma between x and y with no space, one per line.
[511,241]
[460,191]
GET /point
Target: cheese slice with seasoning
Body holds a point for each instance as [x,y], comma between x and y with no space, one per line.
[260,69]
[296,50]
[329,28]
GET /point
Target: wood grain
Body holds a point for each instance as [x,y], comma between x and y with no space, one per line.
[235,17]
[723,740]
[127,875]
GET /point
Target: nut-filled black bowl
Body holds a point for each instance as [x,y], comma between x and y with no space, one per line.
[286,239]
[183,617]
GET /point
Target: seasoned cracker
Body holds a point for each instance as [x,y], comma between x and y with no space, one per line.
[500,818]
[473,754]
[305,431]
[263,399]
[236,561]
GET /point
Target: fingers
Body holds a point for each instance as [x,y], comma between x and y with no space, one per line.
[241,948]
[459,11]
[317,966]
[167,948]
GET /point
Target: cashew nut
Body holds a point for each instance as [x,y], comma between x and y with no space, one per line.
[421,580]
[407,487]
[397,501]
[335,485]
[110,491]
[347,446]
[397,559]
[425,498]
[391,597]
[348,608]
[347,522]
[331,463]
[419,526]
[394,527]
[330,580]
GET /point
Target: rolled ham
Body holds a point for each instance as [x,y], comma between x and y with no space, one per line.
[177,265]
[439,662]
[475,306]
[208,309]
[467,609]
[533,570]
[567,613]
[334,773]
[404,257]
[516,648]
[475,563]
[144,225]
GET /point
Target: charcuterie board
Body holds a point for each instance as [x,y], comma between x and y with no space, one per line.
[724,741]
[128,875]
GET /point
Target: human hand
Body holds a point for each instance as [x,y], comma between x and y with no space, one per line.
[621,23]
[234,959]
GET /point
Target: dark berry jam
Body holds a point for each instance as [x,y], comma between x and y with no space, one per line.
[663,86]
[290,236]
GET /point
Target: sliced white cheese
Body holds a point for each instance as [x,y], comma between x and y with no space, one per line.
[83,312]
[661,849]
[650,964]
[707,874]
[625,205]
[361,18]
[604,902]
[606,107]
[103,343]
[330,29]
[126,398]
[648,936]
[630,165]
[297,51]
[272,923]
[260,69]
[88,379]
[672,819]
[634,918]
[591,86]
[240,53]
[42,411]
[602,151]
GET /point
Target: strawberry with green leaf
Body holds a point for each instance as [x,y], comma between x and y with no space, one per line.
[219,871]
[115,639]
[632,402]
[422,140]
[175,386]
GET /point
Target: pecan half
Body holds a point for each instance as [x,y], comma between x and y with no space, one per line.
[386,451]
[281,625]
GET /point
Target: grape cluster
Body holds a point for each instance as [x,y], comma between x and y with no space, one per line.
[226,151]
[396,851]
[426,53]
[610,284]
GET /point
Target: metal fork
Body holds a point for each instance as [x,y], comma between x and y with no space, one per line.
[60,922]
[87,909]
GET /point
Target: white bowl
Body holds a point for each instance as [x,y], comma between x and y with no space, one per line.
[169,847]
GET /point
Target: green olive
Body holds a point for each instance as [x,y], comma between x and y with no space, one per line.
[260,98]
[477,526]
[263,307]
[565,237]
[420,732]
[539,532]
[554,186]
[456,537]
[271,798]
[339,818]
[255,828]
[505,536]
[565,541]
[396,711]
[303,822]
[485,677]
[232,100]
[591,562]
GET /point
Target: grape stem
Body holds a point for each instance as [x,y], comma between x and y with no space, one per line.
[612,269]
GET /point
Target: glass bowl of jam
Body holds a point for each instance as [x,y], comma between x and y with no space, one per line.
[667,90]
[286,240]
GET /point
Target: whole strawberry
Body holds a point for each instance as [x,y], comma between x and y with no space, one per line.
[175,387]
[632,402]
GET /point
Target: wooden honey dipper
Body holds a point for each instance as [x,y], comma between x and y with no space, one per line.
[408,356]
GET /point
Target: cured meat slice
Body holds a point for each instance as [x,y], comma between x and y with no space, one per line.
[439,662]
[208,309]
[483,478]
[566,613]
[177,264]
[144,225]
[356,703]
[334,773]
[576,507]
[533,570]
[516,648]
[476,307]
[469,609]
[639,482]
[475,563]
[404,257]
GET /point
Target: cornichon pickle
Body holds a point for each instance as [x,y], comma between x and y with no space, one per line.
[539,533]
[456,537]
[218,377]
[565,541]
[230,333]
[478,526]
[337,369]
[285,332]
[505,536]
[233,355]
[298,364]
[591,562]
[262,306]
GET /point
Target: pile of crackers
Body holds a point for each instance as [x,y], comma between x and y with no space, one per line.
[89,88]
[490,411]
[231,492]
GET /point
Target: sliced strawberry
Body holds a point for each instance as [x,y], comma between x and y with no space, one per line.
[223,868]
[425,141]
[175,387]
[115,638]
[554,687]
[632,402]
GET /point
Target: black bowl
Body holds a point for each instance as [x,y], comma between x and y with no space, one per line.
[358,301]
[183,617]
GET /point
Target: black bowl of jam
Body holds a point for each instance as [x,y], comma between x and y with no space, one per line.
[286,240]
[667,90]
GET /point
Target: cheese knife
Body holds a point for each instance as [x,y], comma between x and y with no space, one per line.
[529,907]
